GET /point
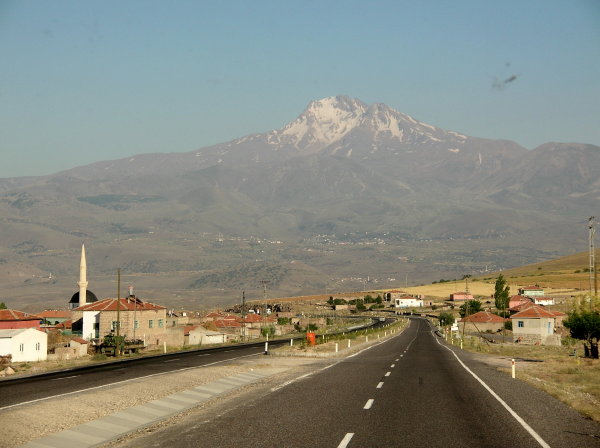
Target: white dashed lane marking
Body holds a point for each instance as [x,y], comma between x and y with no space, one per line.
[346,440]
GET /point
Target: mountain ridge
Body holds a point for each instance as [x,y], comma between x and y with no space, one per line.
[345,187]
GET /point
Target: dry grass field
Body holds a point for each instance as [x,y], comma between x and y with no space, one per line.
[573,380]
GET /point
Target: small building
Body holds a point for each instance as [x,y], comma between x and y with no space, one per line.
[14,319]
[531,291]
[534,325]
[408,302]
[24,344]
[461,296]
[482,321]
[543,301]
[202,336]
[76,348]
[518,300]
[54,317]
[134,318]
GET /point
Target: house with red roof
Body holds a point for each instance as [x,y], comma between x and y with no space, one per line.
[407,301]
[517,301]
[482,321]
[535,325]
[53,317]
[13,319]
[461,296]
[134,318]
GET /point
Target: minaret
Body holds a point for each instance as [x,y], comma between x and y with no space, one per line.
[82,278]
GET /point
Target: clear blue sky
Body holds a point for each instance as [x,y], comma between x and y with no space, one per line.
[83,81]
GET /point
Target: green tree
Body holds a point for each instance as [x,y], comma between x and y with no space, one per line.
[267,331]
[585,325]
[3,306]
[469,307]
[446,318]
[501,293]
[360,306]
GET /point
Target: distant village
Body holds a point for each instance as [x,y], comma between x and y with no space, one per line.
[127,325]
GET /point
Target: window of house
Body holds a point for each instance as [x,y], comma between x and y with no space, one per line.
[150,323]
[160,323]
[136,324]
[520,323]
[37,346]
[173,323]
[21,347]
[114,324]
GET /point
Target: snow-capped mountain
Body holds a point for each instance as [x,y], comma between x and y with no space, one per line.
[329,120]
[342,168]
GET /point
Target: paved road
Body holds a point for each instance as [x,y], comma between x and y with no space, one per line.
[409,391]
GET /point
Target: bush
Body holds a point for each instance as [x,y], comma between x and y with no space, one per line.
[508,325]
[283,320]
[267,331]
[446,319]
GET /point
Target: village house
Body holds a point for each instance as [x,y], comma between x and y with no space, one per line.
[24,344]
[135,319]
[461,296]
[54,317]
[531,291]
[534,325]
[543,301]
[13,319]
[198,335]
[407,301]
[482,321]
[518,300]
[75,348]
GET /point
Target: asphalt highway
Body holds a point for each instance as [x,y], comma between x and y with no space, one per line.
[409,391]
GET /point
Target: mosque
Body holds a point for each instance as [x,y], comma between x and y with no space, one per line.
[84,295]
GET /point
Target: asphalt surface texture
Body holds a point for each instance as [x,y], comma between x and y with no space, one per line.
[409,390]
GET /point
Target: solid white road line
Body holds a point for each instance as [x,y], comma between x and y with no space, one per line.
[205,354]
[369,403]
[346,440]
[380,385]
[516,416]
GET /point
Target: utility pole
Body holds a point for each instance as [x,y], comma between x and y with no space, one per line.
[592,266]
[243,316]
[265,283]
[118,312]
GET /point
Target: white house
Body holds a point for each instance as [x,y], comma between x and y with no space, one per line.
[531,291]
[24,344]
[543,301]
[202,336]
[408,302]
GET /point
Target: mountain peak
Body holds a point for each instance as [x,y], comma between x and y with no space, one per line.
[330,119]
